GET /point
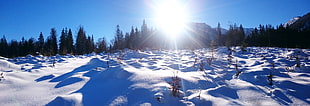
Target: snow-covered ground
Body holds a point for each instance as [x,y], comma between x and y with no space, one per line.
[142,78]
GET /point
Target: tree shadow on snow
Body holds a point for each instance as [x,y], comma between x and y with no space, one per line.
[224,92]
[107,85]
[67,79]
[45,78]
[293,89]
[296,90]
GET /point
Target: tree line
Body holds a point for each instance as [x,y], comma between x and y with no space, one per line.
[50,47]
[266,36]
[279,36]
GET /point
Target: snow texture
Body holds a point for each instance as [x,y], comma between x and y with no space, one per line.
[142,78]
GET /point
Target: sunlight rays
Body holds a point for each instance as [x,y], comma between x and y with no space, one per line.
[171,17]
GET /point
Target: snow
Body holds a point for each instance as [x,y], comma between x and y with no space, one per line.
[291,21]
[142,78]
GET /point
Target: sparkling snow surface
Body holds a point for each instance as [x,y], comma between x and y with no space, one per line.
[141,77]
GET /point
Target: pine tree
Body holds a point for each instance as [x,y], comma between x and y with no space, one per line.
[40,44]
[63,42]
[127,40]
[88,45]
[14,48]
[92,44]
[3,47]
[241,35]
[31,46]
[118,42]
[144,35]
[22,47]
[53,41]
[101,45]
[81,41]
[132,38]
[137,38]
[69,40]
[219,38]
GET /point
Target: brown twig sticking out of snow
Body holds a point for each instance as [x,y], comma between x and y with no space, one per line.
[201,66]
[175,83]
[209,61]
[1,76]
[237,69]
[108,65]
[271,75]
[196,59]
[290,69]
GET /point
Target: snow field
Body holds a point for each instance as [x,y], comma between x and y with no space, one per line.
[142,78]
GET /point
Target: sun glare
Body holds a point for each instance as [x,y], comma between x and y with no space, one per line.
[171,17]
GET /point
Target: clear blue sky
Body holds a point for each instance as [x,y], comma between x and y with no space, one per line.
[28,18]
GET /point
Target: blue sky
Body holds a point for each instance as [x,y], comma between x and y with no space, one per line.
[28,18]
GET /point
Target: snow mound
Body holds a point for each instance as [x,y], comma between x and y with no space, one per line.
[68,100]
[6,66]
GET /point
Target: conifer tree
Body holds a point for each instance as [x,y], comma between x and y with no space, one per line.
[101,45]
[69,40]
[63,42]
[3,47]
[118,42]
[53,42]
[132,38]
[144,35]
[127,40]
[81,41]
[219,38]
[14,48]
[40,44]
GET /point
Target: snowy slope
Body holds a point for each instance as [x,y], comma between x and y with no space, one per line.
[291,21]
[142,78]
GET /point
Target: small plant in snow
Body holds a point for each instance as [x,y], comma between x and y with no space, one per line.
[298,60]
[264,58]
[199,94]
[229,57]
[270,78]
[54,62]
[271,75]
[243,47]
[108,65]
[196,59]
[158,98]
[201,66]
[175,83]
[120,57]
[238,71]
[1,76]
[153,59]
[22,67]
[290,69]
[209,61]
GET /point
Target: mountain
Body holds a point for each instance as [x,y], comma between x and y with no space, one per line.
[203,29]
[248,31]
[299,23]
[291,21]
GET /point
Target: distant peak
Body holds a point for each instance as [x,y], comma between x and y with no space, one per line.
[292,21]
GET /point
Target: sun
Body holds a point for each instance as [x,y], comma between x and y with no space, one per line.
[171,17]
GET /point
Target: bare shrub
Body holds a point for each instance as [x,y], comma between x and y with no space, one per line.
[269,77]
[175,83]
[238,71]
[201,66]
[1,76]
